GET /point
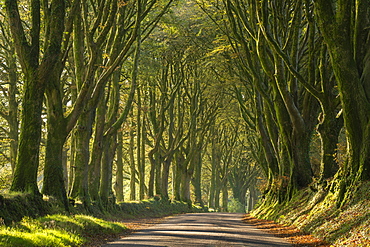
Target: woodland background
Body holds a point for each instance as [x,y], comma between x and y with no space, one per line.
[206,102]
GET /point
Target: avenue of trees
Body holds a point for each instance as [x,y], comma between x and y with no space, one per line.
[191,100]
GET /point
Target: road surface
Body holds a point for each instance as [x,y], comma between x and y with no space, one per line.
[204,229]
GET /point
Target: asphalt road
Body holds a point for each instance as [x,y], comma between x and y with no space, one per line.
[204,229]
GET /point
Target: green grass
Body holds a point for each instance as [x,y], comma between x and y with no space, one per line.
[27,220]
[316,213]
[78,229]
[57,230]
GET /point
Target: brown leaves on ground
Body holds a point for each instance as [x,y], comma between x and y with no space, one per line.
[290,233]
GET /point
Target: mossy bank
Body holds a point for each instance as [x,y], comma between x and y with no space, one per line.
[27,220]
[317,213]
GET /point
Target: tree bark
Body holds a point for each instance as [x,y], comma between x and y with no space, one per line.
[197,180]
[118,186]
[36,80]
[132,165]
[337,29]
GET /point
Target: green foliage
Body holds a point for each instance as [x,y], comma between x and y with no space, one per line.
[5,177]
[154,208]
[235,206]
[56,230]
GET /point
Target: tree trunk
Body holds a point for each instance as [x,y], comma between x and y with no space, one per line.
[217,195]
[132,165]
[185,187]
[80,187]
[165,178]
[214,173]
[54,184]
[329,130]
[72,155]
[36,76]
[143,188]
[13,120]
[177,175]
[337,27]
[95,166]
[105,192]
[25,175]
[118,186]
[225,198]
[153,166]
[139,146]
[158,174]
[197,180]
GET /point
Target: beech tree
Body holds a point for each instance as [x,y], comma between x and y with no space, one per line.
[278,51]
[107,64]
[39,70]
[343,26]
[10,90]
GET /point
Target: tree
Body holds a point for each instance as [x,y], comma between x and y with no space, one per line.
[38,73]
[277,38]
[343,26]
[10,107]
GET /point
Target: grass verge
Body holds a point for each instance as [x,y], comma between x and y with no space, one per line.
[57,230]
[80,229]
[316,213]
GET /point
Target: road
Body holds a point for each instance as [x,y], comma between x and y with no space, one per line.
[204,229]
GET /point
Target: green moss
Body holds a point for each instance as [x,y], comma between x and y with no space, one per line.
[316,213]
[25,227]
[56,230]
[14,206]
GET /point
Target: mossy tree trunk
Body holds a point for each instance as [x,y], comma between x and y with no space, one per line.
[132,164]
[286,122]
[118,185]
[91,79]
[225,197]
[80,188]
[178,170]
[345,33]
[54,183]
[197,180]
[11,115]
[105,191]
[36,74]
[95,168]
[215,164]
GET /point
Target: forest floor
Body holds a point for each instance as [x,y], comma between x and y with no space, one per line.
[290,233]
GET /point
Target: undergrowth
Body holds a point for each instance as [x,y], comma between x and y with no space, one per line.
[316,213]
